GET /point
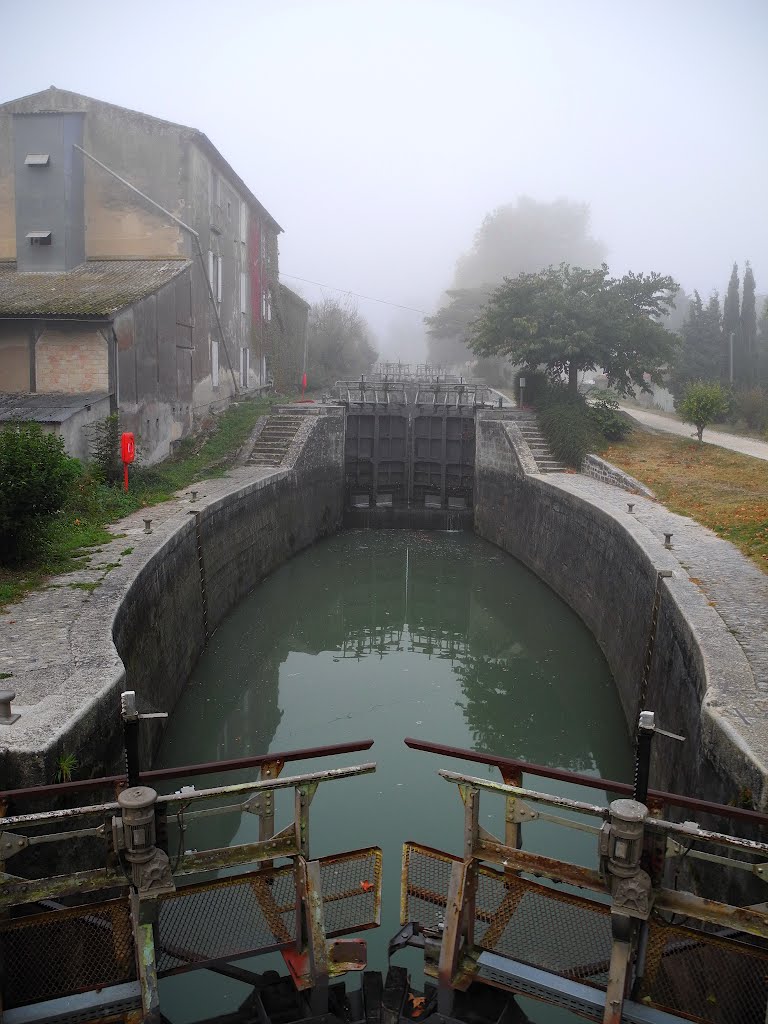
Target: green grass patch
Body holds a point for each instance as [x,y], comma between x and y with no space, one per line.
[93,505]
[724,490]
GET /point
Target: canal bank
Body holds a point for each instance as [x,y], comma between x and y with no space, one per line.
[70,651]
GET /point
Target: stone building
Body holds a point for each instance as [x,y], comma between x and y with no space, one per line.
[160,305]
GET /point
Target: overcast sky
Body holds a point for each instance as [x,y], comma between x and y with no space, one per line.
[380,133]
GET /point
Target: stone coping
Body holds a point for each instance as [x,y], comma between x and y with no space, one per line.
[57,642]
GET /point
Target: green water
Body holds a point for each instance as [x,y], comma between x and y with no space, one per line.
[385,635]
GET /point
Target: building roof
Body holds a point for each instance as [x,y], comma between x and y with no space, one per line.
[97,288]
[53,100]
[293,296]
[46,408]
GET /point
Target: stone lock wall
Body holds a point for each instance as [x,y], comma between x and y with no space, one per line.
[604,563]
[144,626]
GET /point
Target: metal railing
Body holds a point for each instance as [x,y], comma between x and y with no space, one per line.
[624,930]
[165,917]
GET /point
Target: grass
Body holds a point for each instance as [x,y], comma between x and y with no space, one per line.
[79,529]
[723,490]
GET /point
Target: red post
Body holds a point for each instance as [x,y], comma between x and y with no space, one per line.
[303,384]
[128,454]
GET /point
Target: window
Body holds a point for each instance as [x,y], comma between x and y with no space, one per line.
[229,210]
[243,292]
[215,273]
[245,361]
[215,363]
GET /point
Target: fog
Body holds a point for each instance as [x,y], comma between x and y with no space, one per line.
[380,135]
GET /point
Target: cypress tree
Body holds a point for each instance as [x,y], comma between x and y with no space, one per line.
[748,324]
[731,325]
[702,347]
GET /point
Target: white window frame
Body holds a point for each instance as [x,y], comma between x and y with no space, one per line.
[245,365]
[244,292]
[214,364]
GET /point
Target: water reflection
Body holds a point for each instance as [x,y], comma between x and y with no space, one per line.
[459,642]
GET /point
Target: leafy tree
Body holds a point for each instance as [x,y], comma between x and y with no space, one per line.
[748,329]
[522,237]
[703,402]
[35,477]
[339,343]
[701,351]
[568,319]
[731,325]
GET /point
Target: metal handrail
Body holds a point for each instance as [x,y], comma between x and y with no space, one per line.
[590,781]
[185,771]
[193,796]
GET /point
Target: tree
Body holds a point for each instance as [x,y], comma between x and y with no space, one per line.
[339,343]
[703,402]
[448,328]
[731,325]
[748,329]
[522,237]
[701,348]
[35,476]
[568,319]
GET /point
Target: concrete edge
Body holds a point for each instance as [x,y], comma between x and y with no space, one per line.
[521,448]
[607,473]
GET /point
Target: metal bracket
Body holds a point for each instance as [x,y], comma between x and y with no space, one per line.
[675,849]
[11,844]
[523,812]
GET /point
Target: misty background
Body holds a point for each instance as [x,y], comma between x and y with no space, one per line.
[381,135]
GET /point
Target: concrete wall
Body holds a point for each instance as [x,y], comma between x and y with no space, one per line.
[607,473]
[605,567]
[154,368]
[145,627]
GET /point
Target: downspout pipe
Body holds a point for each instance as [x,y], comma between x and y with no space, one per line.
[196,237]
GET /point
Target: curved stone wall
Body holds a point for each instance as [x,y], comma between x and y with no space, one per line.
[145,623]
[577,535]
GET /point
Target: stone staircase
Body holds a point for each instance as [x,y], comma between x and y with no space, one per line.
[275,438]
[531,431]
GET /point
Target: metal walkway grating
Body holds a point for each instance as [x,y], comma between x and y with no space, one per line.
[533,923]
[704,977]
[62,952]
[242,915]
[694,974]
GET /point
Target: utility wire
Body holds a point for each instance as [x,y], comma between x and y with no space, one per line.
[357,295]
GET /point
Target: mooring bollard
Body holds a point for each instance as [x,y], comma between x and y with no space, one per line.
[630,507]
[667,540]
[147,526]
[193,495]
[7,717]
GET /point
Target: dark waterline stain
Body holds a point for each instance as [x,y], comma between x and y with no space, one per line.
[389,634]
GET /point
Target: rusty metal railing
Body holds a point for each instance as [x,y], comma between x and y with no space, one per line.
[158,775]
[626,933]
[166,918]
[514,767]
